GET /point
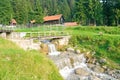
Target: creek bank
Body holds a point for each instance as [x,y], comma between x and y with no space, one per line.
[74,65]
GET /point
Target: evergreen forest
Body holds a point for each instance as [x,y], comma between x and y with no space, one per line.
[85,12]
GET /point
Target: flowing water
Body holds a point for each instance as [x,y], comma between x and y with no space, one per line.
[68,62]
[52,49]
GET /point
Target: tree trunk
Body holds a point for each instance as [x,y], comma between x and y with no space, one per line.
[117,22]
[94,22]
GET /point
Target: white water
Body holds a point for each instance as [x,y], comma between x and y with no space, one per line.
[67,63]
[68,69]
[52,49]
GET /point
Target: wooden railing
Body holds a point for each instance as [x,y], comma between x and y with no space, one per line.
[6,29]
[46,34]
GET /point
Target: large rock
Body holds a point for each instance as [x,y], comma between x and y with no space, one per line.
[64,41]
[82,72]
[105,67]
[96,78]
[70,49]
[91,66]
[73,77]
[44,48]
[102,61]
[61,43]
[98,69]
[77,51]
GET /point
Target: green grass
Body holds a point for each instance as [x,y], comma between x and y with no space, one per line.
[106,45]
[17,64]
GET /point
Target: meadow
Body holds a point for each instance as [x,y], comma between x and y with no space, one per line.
[17,64]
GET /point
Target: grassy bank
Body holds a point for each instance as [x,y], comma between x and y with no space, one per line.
[17,64]
[105,41]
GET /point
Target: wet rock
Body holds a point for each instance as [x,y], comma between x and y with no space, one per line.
[89,57]
[70,49]
[82,72]
[98,69]
[44,48]
[63,41]
[95,78]
[73,77]
[115,73]
[110,72]
[91,66]
[78,51]
[102,61]
[104,67]
[94,61]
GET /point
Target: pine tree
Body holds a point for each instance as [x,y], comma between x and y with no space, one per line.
[80,15]
[38,13]
[5,11]
[71,4]
[64,9]
[20,11]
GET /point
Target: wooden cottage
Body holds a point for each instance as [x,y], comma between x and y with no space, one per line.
[54,19]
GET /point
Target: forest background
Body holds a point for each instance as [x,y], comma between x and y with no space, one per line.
[85,12]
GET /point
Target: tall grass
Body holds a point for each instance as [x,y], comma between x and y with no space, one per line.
[106,45]
[17,64]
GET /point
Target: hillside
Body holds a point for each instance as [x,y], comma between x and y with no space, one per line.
[17,64]
[104,41]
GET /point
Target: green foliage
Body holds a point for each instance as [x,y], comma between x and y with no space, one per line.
[88,12]
[85,12]
[17,64]
[106,45]
[5,11]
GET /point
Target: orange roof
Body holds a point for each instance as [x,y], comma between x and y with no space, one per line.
[70,24]
[51,18]
[13,21]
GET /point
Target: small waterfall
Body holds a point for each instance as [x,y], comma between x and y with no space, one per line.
[70,64]
[52,49]
[67,63]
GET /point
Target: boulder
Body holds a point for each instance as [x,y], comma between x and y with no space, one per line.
[91,66]
[98,69]
[96,63]
[104,67]
[81,72]
[73,77]
[96,78]
[77,51]
[70,49]
[94,60]
[102,60]
[44,48]
[63,41]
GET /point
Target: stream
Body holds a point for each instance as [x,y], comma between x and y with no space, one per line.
[73,66]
